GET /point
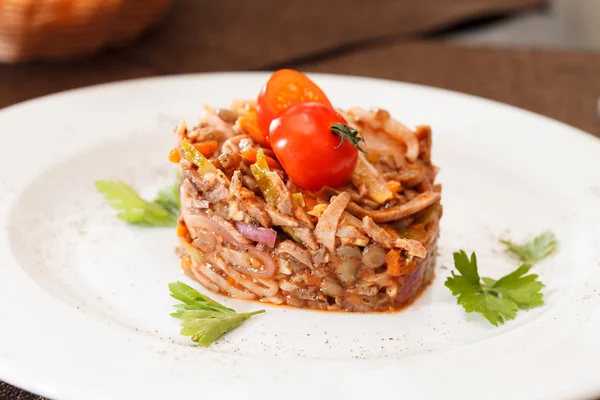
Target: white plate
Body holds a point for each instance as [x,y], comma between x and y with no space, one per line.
[84,304]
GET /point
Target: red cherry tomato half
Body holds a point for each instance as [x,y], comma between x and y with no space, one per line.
[283,90]
[315,146]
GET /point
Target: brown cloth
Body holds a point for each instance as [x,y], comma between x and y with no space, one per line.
[564,85]
[372,38]
[207,35]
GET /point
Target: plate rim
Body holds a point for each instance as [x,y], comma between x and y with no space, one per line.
[223,75]
[233,73]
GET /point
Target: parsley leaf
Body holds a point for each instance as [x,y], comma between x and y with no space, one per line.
[497,300]
[137,211]
[194,300]
[204,319]
[523,290]
[467,268]
[168,198]
[535,250]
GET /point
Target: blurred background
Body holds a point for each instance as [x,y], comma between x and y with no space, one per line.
[542,55]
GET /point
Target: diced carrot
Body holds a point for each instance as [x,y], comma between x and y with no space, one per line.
[418,227]
[398,265]
[249,155]
[394,186]
[174,155]
[247,108]
[182,231]
[392,259]
[372,157]
[231,280]
[354,298]
[310,202]
[249,124]
[207,148]
[186,263]
[273,163]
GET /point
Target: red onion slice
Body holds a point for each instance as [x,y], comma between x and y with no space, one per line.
[257,233]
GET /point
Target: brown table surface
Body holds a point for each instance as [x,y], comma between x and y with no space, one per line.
[207,35]
[564,85]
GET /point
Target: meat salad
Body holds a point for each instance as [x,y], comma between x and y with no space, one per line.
[331,209]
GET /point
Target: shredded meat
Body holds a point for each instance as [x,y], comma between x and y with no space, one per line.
[413,206]
[327,225]
[354,196]
[377,233]
[235,143]
[212,186]
[365,290]
[306,236]
[294,250]
[320,256]
[285,197]
[249,201]
[380,121]
[413,247]
[278,218]
[217,123]
[230,162]
[329,249]
[349,234]
[219,191]
[382,237]
[411,175]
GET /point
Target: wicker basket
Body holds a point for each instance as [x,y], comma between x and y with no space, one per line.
[60,29]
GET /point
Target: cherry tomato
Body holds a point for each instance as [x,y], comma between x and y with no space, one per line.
[284,89]
[315,145]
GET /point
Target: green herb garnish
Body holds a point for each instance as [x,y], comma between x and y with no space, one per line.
[134,210]
[352,135]
[168,198]
[535,250]
[202,318]
[497,300]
